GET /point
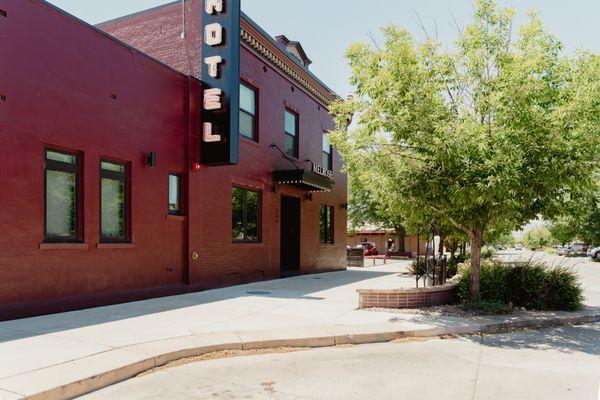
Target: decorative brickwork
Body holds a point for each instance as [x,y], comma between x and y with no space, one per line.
[407,298]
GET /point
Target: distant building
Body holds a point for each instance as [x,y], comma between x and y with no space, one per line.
[387,240]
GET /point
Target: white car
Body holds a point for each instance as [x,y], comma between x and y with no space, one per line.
[594,253]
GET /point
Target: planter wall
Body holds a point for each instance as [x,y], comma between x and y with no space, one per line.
[407,298]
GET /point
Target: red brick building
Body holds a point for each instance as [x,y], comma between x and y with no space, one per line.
[103,198]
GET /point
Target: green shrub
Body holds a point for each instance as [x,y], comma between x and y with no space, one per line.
[483,307]
[420,269]
[488,253]
[532,285]
[563,291]
[452,268]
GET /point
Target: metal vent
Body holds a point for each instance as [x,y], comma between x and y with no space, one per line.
[2,97]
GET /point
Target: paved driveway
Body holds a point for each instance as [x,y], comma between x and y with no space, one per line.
[562,363]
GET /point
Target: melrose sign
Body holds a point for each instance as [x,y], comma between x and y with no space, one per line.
[319,170]
[220,82]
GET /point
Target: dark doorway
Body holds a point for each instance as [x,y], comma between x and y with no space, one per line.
[290,236]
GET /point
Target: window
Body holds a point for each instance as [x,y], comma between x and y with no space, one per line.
[62,197]
[114,202]
[327,158]
[175,195]
[291,134]
[248,112]
[326,225]
[246,209]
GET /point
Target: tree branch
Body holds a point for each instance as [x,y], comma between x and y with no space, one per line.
[463,228]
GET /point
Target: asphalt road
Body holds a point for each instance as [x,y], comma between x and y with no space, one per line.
[561,363]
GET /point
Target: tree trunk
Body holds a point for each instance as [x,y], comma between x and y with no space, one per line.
[452,246]
[401,234]
[476,244]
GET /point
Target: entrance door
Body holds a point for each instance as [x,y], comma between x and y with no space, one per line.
[290,236]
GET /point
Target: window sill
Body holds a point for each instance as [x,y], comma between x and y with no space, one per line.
[115,246]
[180,218]
[64,246]
[245,242]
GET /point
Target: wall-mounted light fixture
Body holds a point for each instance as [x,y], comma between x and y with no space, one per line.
[151,159]
[196,166]
[309,197]
[344,206]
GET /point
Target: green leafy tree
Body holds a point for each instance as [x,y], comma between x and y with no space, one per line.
[563,230]
[589,220]
[486,137]
[506,239]
[538,237]
[580,221]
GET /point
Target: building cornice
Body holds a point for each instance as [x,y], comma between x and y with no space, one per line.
[254,40]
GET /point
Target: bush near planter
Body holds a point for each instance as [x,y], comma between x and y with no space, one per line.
[532,285]
[454,262]
[420,269]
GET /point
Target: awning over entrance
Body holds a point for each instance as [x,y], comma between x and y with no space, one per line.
[303,179]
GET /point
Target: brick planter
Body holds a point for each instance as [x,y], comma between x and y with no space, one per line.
[407,298]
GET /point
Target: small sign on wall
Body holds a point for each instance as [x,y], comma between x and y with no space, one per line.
[220,82]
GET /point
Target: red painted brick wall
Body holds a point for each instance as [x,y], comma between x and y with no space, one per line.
[58,76]
[158,33]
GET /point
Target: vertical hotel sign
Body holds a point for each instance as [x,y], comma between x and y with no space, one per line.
[220,82]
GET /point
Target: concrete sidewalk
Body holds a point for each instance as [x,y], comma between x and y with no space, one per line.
[64,355]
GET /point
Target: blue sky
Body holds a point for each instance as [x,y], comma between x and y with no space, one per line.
[326,27]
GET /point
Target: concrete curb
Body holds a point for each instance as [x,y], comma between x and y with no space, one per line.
[79,377]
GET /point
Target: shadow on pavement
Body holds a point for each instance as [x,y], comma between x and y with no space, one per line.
[568,339]
[300,287]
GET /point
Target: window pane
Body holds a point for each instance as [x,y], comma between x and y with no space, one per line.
[290,123]
[174,193]
[326,163]
[61,157]
[330,225]
[113,208]
[60,204]
[252,216]
[322,225]
[109,166]
[290,145]
[238,214]
[246,125]
[326,225]
[326,144]
[247,99]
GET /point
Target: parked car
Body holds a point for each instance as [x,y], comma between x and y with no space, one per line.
[370,248]
[594,253]
[519,247]
[577,249]
[561,251]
